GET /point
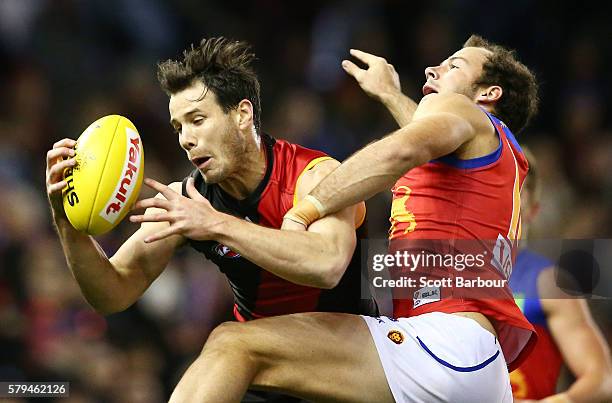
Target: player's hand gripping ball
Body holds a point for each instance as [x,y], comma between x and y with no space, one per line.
[106,180]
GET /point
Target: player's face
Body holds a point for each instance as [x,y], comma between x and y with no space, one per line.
[456,74]
[210,136]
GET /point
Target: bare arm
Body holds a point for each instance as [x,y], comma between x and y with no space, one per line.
[109,285]
[112,285]
[316,258]
[381,82]
[441,124]
[581,343]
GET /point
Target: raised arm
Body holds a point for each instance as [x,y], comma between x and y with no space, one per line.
[380,81]
[109,285]
[582,346]
[317,257]
[441,124]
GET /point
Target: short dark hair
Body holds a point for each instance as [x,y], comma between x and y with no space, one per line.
[223,66]
[519,102]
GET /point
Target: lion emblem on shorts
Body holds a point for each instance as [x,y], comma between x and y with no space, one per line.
[396,336]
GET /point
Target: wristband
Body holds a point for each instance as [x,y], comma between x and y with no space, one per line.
[306,211]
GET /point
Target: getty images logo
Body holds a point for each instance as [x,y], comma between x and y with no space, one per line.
[125,187]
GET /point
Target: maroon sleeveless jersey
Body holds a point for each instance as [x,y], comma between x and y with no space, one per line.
[257,292]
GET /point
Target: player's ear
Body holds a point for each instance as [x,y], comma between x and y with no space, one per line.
[488,95]
[529,211]
[244,116]
[535,210]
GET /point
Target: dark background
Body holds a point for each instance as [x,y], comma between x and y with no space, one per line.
[66,63]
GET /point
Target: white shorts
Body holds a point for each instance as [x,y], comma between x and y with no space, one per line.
[438,357]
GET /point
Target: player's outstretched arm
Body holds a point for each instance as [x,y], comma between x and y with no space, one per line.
[317,257]
[441,124]
[108,285]
[581,343]
[380,81]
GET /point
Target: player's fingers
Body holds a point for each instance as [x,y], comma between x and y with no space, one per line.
[153,202]
[56,187]
[65,143]
[352,69]
[365,57]
[192,192]
[60,152]
[161,188]
[165,233]
[56,171]
[158,217]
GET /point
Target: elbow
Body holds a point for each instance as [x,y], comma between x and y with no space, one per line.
[402,155]
[328,282]
[408,157]
[599,381]
[332,274]
[106,308]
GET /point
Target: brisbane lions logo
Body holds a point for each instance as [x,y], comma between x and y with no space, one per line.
[396,336]
[225,251]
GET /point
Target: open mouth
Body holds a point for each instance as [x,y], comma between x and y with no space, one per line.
[200,162]
[428,89]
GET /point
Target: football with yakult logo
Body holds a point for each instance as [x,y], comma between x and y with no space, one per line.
[106,180]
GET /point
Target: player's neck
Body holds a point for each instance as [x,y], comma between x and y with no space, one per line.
[250,173]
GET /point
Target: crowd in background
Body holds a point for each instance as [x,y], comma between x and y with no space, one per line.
[66,63]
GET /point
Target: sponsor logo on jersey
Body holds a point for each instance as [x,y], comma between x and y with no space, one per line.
[225,251]
[426,295]
[396,336]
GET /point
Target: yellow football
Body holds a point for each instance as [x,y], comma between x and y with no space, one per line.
[106,180]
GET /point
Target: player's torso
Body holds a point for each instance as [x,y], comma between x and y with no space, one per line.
[257,292]
[477,202]
[537,377]
[450,198]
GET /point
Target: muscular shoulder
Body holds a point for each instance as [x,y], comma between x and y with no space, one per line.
[313,176]
[455,104]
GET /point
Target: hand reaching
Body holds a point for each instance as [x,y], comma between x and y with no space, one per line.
[192,217]
[378,80]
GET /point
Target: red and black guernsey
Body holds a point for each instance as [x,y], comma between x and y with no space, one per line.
[257,292]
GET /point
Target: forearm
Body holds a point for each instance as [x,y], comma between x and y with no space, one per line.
[302,257]
[591,387]
[369,171]
[400,106]
[558,398]
[377,166]
[583,347]
[101,284]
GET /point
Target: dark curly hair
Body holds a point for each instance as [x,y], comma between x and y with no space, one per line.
[223,66]
[519,102]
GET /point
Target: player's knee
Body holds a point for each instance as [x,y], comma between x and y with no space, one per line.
[240,341]
[228,336]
